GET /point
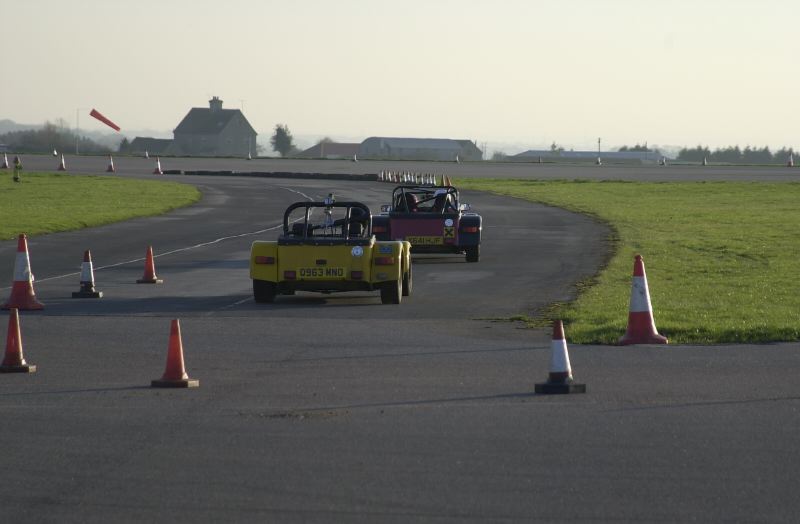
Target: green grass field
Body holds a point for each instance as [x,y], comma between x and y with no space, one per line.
[721,257]
[51,202]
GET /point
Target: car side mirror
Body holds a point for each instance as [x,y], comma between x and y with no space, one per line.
[464,207]
[385,208]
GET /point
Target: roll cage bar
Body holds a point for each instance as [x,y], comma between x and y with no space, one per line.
[355,214]
[400,200]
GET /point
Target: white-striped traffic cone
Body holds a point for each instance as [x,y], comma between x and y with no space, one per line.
[4,165]
[110,168]
[790,163]
[61,165]
[22,295]
[157,170]
[146,154]
[560,378]
[87,279]
[641,326]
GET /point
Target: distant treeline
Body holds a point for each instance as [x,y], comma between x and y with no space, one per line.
[735,155]
[48,138]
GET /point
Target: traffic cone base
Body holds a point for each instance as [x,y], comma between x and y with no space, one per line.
[559,380]
[181,383]
[87,294]
[13,361]
[24,368]
[150,281]
[549,388]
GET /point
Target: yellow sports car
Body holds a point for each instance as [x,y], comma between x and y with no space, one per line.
[327,247]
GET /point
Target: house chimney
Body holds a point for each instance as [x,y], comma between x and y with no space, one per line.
[215,103]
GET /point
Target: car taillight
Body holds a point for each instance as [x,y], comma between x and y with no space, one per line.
[290,275]
[470,229]
[384,261]
[379,229]
[265,260]
[356,275]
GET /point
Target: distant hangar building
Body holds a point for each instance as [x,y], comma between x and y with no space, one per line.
[443,149]
[621,157]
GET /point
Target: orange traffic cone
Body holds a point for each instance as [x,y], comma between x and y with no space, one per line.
[157,170]
[149,276]
[175,373]
[4,165]
[14,362]
[61,165]
[790,163]
[560,378]
[22,295]
[87,279]
[641,326]
[110,168]
[146,154]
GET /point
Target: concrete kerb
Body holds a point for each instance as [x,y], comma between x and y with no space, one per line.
[369,177]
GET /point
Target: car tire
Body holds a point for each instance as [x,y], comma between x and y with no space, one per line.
[392,292]
[407,282]
[473,253]
[264,292]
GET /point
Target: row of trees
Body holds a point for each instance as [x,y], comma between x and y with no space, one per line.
[735,155]
[48,138]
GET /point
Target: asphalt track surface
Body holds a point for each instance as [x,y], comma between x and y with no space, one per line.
[337,408]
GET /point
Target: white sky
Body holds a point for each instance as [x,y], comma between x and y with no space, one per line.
[531,72]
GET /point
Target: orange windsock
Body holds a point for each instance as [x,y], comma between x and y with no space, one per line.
[95,113]
[175,375]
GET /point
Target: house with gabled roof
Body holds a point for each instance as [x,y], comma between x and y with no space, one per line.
[213,131]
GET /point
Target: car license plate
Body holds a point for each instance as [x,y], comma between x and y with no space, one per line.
[425,241]
[317,273]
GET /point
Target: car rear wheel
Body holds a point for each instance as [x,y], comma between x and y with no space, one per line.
[473,253]
[263,291]
[392,292]
[407,282]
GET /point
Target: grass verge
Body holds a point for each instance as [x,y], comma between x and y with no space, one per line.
[721,257]
[50,202]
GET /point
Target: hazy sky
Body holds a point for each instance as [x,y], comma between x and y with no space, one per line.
[531,72]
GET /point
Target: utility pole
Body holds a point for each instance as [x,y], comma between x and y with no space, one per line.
[78,127]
